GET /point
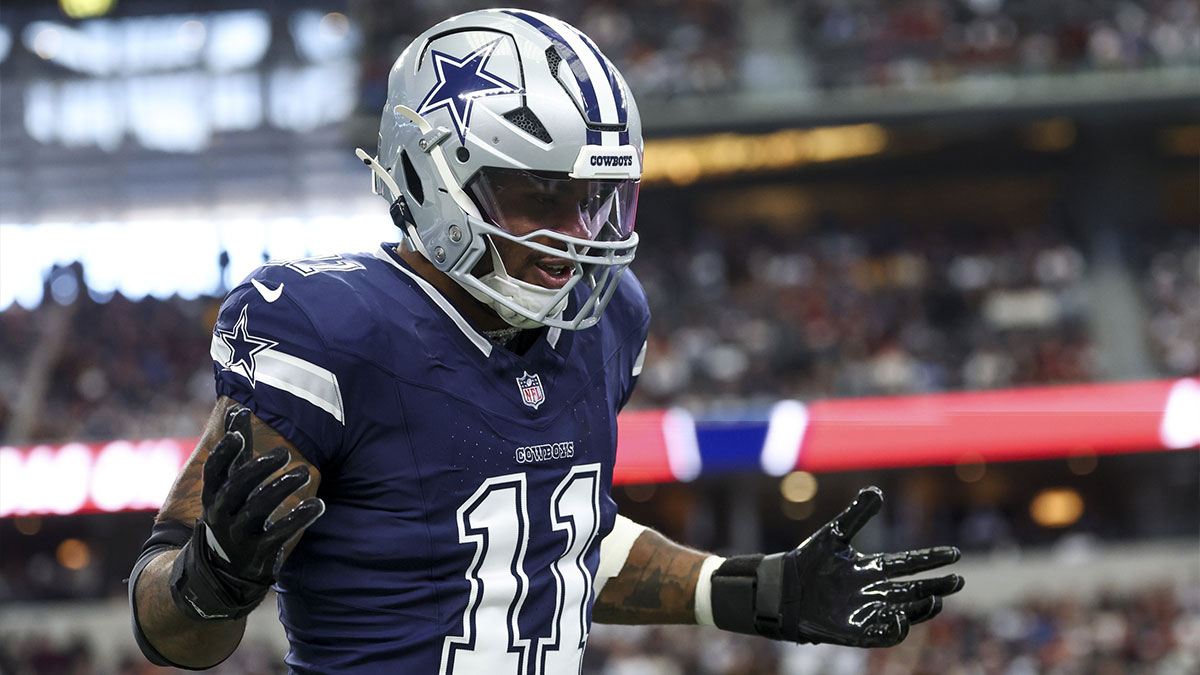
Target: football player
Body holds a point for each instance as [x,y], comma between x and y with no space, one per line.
[415,445]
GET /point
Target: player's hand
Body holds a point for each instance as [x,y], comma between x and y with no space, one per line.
[235,552]
[826,591]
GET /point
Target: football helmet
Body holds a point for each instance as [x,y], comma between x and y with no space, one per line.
[506,124]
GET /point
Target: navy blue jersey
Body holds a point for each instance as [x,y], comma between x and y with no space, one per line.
[467,487]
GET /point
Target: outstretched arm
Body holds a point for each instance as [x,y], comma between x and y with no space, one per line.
[821,591]
[211,501]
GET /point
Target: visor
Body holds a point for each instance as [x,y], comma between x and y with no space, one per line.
[520,202]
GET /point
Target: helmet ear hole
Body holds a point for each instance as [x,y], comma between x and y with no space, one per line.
[412,182]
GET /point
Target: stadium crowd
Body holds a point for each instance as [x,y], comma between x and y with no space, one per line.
[1171,290]
[668,49]
[833,311]
[739,322]
[1153,631]
[662,48]
[918,42]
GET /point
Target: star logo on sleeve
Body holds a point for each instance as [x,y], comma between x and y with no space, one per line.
[460,82]
[242,348]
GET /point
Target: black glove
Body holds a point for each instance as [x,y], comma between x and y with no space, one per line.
[235,552]
[825,591]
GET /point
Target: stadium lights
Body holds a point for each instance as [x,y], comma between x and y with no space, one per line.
[683,161]
[73,554]
[86,9]
[335,26]
[191,35]
[798,487]
[47,42]
[1056,507]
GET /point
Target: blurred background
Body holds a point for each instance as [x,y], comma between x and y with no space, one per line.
[946,247]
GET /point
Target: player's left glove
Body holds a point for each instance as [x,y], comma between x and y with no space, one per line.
[236,549]
[825,591]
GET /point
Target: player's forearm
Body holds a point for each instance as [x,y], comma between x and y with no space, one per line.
[181,639]
[656,585]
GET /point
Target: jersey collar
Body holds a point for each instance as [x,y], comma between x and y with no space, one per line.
[387,253]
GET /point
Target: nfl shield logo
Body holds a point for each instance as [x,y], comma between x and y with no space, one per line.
[532,393]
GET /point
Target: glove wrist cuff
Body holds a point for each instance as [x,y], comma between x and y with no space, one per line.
[733,594]
[202,591]
[748,596]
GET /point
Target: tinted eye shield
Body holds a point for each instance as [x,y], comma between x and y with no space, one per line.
[517,201]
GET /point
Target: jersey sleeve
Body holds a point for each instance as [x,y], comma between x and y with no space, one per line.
[269,356]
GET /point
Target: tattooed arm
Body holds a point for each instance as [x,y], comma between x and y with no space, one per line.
[180,638]
[656,585]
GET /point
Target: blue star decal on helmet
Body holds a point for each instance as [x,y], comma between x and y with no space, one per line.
[460,82]
[242,348]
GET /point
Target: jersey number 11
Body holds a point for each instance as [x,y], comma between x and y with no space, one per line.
[496,520]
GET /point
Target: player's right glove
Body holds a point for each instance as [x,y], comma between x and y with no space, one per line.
[235,552]
[825,591]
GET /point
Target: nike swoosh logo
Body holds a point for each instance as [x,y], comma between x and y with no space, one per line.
[268,294]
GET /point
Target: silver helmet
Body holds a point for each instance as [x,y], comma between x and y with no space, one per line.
[491,117]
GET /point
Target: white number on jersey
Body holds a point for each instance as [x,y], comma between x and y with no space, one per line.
[496,519]
[325,263]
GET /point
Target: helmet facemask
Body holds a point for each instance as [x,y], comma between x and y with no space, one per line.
[568,230]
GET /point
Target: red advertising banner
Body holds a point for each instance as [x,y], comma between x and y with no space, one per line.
[1000,426]
[657,446]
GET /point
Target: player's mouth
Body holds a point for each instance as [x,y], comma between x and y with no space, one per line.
[552,272]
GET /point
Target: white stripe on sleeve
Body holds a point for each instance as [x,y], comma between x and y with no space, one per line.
[285,372]
[640,360]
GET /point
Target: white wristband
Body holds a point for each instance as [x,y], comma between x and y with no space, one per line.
[704,615]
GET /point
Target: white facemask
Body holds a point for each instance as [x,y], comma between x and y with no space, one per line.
[530,297]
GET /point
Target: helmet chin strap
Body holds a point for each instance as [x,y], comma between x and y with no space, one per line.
[530,297]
